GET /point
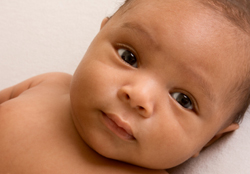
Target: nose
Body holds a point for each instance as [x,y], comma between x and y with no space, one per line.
[139,96]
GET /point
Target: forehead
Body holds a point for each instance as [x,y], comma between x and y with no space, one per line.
[187,21]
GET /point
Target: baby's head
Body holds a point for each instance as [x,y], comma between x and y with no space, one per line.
[162,80]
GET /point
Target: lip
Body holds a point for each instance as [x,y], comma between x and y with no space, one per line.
[118,126]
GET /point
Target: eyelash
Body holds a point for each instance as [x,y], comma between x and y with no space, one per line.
[190,97]
[129,49]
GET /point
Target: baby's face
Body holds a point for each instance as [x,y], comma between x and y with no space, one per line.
[152,89]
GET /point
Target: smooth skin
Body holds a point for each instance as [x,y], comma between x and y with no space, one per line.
[38,135]
[138,67]
[150,91]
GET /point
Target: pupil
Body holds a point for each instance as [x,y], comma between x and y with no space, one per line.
[184,100]
[128,57]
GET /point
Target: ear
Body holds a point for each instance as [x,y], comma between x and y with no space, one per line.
[230,128]
[104,21]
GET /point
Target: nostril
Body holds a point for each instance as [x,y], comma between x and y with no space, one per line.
[127,97]
[142,111]
[140,108]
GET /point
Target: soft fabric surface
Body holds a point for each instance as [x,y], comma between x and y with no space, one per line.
[229,155]
[52,35]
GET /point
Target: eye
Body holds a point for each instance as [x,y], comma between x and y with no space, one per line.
[183,100]
[128,57]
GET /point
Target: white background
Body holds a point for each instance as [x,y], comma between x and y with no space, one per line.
[52,35]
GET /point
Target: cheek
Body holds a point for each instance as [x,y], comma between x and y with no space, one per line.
[93,82]
[166,149]
[166,141]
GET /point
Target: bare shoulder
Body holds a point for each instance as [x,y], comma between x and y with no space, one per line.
[56,75]
[40,92]
[33,98]
[33,114]
[55,78]
[54,81]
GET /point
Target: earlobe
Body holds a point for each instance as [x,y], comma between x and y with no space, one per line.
[196,155]
[104,21]
[230,128]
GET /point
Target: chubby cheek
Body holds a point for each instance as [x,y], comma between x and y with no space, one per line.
[91,81]
[165,142]
[90,90]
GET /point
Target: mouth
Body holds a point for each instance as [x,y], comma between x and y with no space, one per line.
[118,126]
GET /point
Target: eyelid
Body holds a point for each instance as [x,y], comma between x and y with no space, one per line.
[192,98]
[120,45]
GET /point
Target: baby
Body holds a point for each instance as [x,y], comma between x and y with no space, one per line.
[161,80]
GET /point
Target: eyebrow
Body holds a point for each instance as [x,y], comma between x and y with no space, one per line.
[204,85]
[141,30]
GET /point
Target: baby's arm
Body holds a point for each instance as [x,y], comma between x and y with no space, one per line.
[16,90]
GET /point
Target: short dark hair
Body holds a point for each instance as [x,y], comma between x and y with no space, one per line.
[238,13]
